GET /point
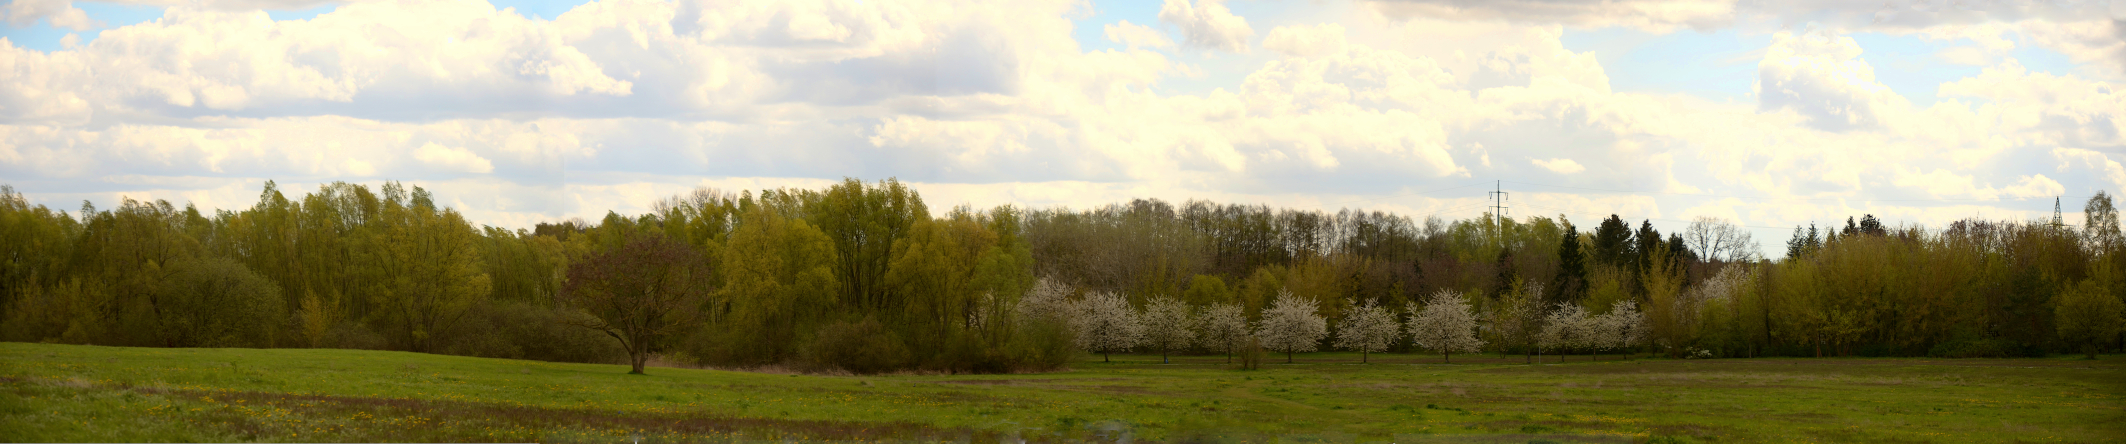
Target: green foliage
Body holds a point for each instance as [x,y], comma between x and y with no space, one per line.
[2088,315]
[217,302]
[520,330]
[864,347]
[387,267]
[779,283]
[432,259]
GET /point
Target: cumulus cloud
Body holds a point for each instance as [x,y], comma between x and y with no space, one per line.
[1136,36]
[1645,14]
[1208,24]
[618,102]
[1306,41]
[2111,170]
[1822,77]
[1559,165]
[58,13]
[452,159]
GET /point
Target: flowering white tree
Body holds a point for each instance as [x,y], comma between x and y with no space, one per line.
[1624,326]
[1169,325]
[1445,324]
[1564,327]
[1106,324]
[1049,300]
[1291,325]
[1367,328]
[1225,327]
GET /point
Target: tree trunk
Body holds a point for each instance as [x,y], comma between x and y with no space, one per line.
[1448,357]
[1104,358]
[638,359]
[1287,357]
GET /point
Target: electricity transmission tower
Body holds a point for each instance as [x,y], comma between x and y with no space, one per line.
[1498,212]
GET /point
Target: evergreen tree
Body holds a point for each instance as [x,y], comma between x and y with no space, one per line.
[1612,242]
[1572,268]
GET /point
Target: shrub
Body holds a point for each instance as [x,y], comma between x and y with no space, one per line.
[864,347]
[217,302]
[516,330]
[1981,348]
[1041,345]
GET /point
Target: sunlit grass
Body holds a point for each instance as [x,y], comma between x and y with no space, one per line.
[86,393]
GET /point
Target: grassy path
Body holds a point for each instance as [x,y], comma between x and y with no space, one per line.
[85,393]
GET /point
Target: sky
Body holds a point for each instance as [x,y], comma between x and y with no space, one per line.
[1767,114]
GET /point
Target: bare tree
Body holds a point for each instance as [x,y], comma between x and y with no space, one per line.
[1291,325]
[1717,240]
[1169,325]
[1367,328]
[1106,324]
[1445,324]
[1225,327]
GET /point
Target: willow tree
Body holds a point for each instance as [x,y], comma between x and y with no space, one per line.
[779,281]
[433,262]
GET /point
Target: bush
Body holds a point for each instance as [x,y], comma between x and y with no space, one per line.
[863,348]
[356,336]
[1982,348]
[217,302]
[1042,345]
[517,330]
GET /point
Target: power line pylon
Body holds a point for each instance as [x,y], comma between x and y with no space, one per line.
[2057,222]
[1498,212]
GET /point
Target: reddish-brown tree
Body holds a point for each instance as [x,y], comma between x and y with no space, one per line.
[649,288]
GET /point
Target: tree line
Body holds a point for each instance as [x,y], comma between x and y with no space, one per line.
[863,277]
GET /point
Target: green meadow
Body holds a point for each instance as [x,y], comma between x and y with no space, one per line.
[114,394]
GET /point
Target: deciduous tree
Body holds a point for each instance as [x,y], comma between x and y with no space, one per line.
[1291,324]
[1169,325]
[1367,328]
[1106,324]
[1225,327]
[1445,324]
[639,293]
[2088,315]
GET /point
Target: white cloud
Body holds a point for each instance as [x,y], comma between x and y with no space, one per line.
[1822,77]
[1645,14]
[1208,24]
[618,102]
[452,159]
[2110,169]
[1559,165]
[58,13]
[1136,36]
[1306,41]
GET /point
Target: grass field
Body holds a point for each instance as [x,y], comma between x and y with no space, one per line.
[86,393]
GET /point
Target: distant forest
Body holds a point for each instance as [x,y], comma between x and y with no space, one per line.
[865,277]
